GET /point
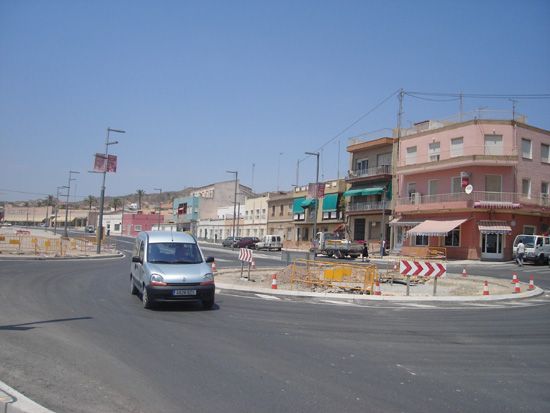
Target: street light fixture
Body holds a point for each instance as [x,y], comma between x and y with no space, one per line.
[160,205]
[102,198]
[234,201]
[65,233]
[316,154]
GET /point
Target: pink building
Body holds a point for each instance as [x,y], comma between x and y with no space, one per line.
[471,187]
[133,224]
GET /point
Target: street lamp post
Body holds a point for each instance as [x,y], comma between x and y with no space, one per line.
[316,154]
[102,198]
[382,227]
[57,206]
[234,199]
[160,205]
[65,233]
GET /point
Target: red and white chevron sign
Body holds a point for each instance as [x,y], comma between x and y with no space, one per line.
[422,268]
[245,255]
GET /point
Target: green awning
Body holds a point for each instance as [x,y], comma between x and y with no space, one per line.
[296,207]
[308,203]
[330,202]
[364,191]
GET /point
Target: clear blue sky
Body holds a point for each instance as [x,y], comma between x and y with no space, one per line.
[207,86]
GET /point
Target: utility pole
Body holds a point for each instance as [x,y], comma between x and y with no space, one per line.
[461,98]
[65,232]
[316,154]
[102,198]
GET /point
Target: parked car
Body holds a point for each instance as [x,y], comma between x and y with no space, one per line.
[230,241]
[170,267]
[537,248]
[270,242]
[90,228]
[247,242]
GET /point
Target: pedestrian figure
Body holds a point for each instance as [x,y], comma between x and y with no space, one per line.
[520,253]
[365,256]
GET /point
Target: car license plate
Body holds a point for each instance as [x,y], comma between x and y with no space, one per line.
[184,292]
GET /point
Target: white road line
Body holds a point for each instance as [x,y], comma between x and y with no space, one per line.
[267,297]
[414,305]
[340,303]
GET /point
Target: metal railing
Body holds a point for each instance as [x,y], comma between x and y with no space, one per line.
[28,244]
[377,170]
[476,196]
[478,152]
[367,206]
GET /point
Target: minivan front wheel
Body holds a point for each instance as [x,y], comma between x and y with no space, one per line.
[133,289]
[145,300]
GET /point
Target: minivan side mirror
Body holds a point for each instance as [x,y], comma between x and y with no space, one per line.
[136,259]
[209,259]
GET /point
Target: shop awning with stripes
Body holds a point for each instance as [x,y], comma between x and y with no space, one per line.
[496,204]
[433,228]
[330,202]
[364,192]
[494,227]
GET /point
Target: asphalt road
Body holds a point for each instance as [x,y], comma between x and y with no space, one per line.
[73,339]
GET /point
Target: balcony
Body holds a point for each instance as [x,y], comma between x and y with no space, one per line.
[477,199]
[355,208]
[366,174]
[466,157]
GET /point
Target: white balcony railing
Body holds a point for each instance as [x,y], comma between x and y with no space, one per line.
[478,198]
[378,170]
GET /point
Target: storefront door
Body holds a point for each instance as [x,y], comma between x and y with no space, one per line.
[491,246]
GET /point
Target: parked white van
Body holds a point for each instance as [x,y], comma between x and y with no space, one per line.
[270,242]
[537,248]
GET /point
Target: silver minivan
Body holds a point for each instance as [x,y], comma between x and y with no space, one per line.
[270,242]
[170,267]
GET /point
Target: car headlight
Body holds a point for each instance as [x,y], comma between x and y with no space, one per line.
[207,279]
[157,280]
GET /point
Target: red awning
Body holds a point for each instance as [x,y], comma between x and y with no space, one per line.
[435,228]
[494,227]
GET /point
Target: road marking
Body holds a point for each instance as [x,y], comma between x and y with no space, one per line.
[406,305]
[412,373]
[340,303]
[267,297]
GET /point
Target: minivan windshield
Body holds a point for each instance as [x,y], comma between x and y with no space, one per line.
[528,240]
[173,253]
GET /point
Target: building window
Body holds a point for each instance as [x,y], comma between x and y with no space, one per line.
[117,227]
[493,183]
[330,215]
[410,157]
[411,189]
[456,185]
[493,145]
[526,150]
[432,186]
[457,147]
[281,210]
[452,239]
[544,193]
[420,240]
[526,187]
[137,227]
[529,229]
[434,151]
[545,153]
[273,210]
[362,166]
[384,159]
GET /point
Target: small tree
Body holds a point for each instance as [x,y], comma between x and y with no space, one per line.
[140,193]
[116,203]
[90,200]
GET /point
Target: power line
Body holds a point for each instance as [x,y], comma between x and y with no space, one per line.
[482,95]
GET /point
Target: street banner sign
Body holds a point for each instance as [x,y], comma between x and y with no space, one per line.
[422,268]
[316,191]
[104,163]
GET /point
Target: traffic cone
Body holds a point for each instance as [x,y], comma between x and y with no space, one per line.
[377,288]
[274,282]
[395,267]
[531,283]
[515,279]
[464,273]
[517,288]
[214,266]
[253,265]
[486,288]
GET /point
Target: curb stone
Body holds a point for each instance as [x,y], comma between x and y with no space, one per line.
[11,401]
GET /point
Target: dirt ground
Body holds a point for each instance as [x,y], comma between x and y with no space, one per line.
[450,285]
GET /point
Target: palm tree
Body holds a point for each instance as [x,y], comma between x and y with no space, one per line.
[115,203]
[49,203]
[90,200]
[140,193]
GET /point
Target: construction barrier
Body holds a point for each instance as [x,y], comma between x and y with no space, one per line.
[27,244]
[331,275]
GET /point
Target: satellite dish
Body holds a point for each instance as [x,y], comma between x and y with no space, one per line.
[469,189]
